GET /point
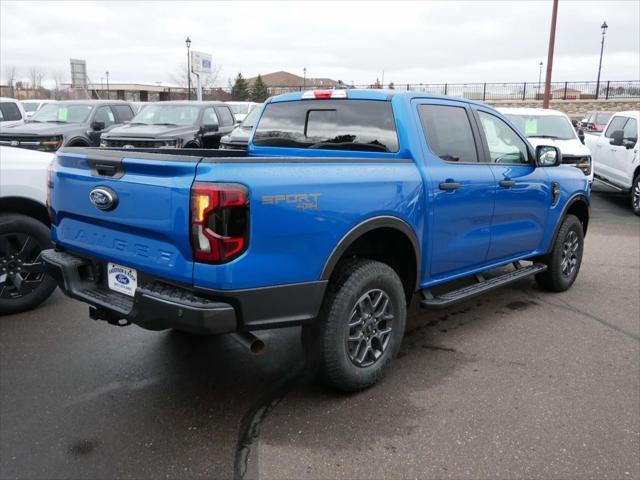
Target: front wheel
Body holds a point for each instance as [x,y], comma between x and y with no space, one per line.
[361,325]
[23,281]
[563,263]
[635,195]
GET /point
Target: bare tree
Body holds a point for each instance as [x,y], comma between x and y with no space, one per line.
[11,73]
[209,80]
[58,78]
[35,77]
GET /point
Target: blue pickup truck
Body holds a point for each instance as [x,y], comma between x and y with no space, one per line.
[347,204]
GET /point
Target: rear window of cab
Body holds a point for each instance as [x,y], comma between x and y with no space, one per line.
[355,125]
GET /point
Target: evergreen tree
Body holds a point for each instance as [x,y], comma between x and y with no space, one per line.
[377,84]
[240,89]
[392,86]
[259,90]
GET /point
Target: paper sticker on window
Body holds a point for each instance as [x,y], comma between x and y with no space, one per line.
[63,114]
[531,126]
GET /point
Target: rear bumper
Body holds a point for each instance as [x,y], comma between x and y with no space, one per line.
[158,305]
[155,306]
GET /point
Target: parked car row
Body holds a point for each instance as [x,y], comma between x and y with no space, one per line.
[49,125]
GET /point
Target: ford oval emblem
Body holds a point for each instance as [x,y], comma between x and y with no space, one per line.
[103,198]
[123,279]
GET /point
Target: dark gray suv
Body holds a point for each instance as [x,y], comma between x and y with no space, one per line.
[182,124]
[73,123]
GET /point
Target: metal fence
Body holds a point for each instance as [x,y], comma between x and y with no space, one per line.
[474,91]
[509,91]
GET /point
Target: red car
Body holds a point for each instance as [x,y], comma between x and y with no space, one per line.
[594,121]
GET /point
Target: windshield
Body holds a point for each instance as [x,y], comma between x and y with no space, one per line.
[30,106]
[544,126]
[166,115]
[363,125]
[63,113]
[239,109]
[250,120]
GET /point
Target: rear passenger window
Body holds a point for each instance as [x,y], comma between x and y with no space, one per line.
[124,112]
[616,124]
[225,116]
[448,133]
[631,130]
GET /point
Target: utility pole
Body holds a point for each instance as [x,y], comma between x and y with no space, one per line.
[108,92]
[603,27]
[304,78]
[552,41]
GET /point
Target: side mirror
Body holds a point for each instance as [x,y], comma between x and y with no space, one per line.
[616,138]
[97,126]
[210,128]
[548,156]
[629,143]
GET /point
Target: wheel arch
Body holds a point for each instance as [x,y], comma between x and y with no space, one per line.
[77,142]
[371,239]
[578,205]
[25,206]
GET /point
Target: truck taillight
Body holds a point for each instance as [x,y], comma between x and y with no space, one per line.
[52,217]
[219,221]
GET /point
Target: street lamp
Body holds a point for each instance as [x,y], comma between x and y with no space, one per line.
[304,78]
[108,92]
[187,42]
[603,27]
[540,76]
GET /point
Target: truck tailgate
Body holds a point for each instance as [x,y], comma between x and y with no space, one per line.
[148,229]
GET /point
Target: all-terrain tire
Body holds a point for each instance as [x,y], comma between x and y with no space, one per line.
[564,260]
[351,298]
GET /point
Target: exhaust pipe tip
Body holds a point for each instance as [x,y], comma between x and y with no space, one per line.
[250,342]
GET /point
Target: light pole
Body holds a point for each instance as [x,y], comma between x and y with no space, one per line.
[552,41]
[187,42]
[603,27]
[540,77]
[108,92]
[304,78]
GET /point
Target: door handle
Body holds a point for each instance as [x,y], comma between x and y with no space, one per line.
[449,186]
[507,183]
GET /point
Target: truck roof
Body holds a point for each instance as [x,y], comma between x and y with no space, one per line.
[370,94]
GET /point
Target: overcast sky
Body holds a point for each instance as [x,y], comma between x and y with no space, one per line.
[435,41]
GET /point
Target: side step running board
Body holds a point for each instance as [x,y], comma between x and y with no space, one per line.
[483,285]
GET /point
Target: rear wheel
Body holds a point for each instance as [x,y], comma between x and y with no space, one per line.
[563,263]
[635,195]
[360,327]
[23,281]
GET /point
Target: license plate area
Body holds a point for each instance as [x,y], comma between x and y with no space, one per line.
[122,279]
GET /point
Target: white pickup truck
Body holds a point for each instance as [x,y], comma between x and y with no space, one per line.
[615,155]
[24,229]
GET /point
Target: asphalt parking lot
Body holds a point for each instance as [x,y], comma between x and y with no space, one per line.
[517,384]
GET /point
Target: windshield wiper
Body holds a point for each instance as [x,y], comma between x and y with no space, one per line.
[56,121]
[167,124]
[554,137]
